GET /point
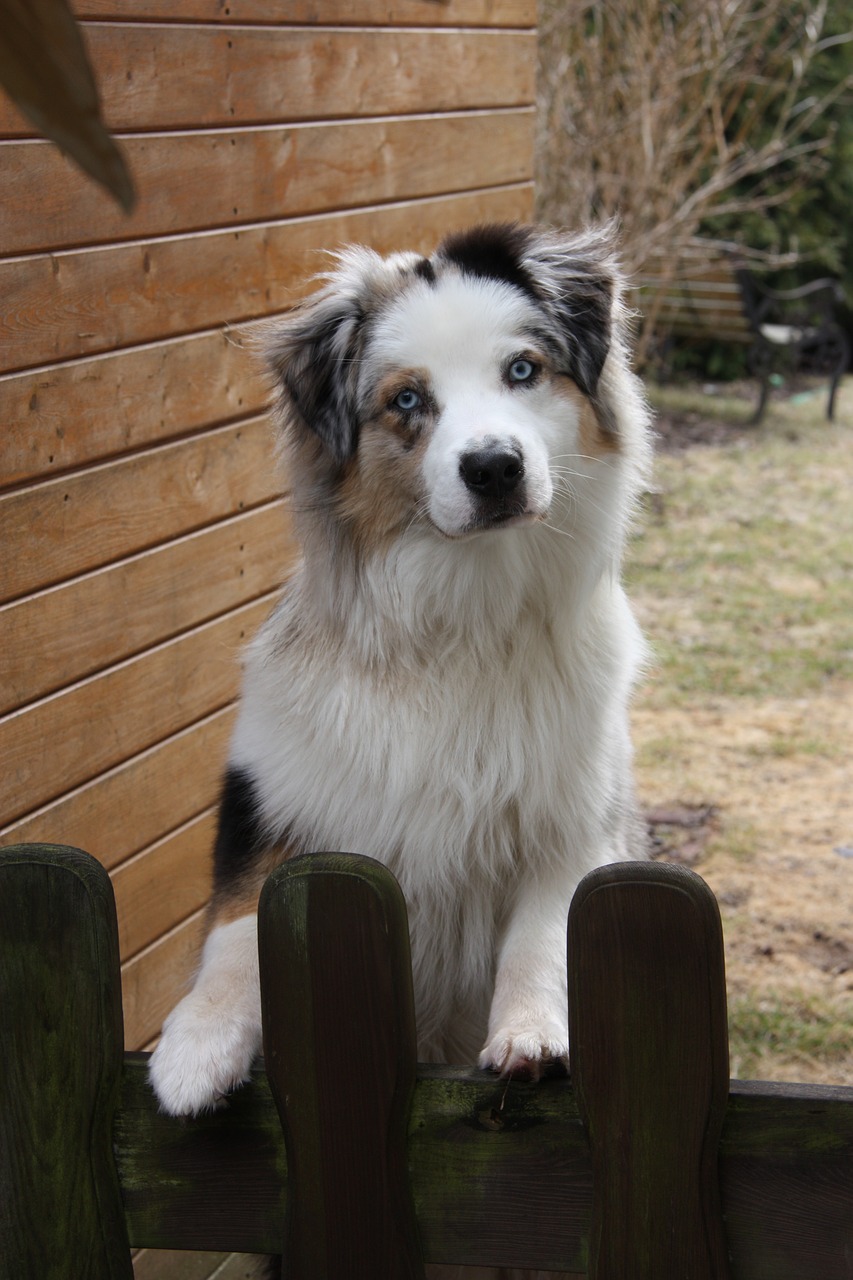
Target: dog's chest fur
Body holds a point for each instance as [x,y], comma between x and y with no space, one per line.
[469,733]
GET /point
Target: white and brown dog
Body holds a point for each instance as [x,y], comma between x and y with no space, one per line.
[444,683]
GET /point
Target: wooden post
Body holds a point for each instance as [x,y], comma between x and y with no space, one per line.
[340,1052]
[649,1051]
[60,1068]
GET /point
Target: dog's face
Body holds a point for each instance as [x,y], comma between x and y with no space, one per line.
[453,391]
[468,409]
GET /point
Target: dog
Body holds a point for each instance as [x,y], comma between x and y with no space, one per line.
[444,683]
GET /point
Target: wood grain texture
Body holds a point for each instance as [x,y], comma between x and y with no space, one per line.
[100,722]
[176,77]
[60,528]
[794,1200]
[153,981]
[336,988]
[161,787]
[81,411]
[786,1179]
[170,1264]
[427,13]
[139,602]
[501,1172]
[60,1067]
[647,1026]
[213,178]
[77,302]
[184,1207]
[160,887]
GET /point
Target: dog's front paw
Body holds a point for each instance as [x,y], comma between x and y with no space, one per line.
[524,1053]
[203,1054]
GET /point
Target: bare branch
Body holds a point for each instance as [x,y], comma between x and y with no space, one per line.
[661,113]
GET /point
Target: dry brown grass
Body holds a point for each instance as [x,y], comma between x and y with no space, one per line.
[742,575]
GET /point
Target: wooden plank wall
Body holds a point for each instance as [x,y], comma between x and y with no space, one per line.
[142,530]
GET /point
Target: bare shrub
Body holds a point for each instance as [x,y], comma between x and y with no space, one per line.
[663,113]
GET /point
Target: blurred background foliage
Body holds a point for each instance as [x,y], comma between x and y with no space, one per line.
[813,219]
[706,127]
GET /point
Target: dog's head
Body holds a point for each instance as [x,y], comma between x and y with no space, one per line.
[455,390]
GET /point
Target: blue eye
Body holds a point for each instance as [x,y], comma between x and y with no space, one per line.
[521,370]
[407,399]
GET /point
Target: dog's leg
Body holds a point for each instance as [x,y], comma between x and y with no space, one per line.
[211,1038]
[528,1022]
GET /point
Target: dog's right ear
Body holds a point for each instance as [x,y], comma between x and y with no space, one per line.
[313,356]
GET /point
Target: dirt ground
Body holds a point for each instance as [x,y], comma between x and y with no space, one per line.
[756,795]
[786,903]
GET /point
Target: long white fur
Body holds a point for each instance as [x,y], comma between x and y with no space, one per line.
[457,708]
[211,1038]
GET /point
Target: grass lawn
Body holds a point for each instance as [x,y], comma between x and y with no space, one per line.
[741,572]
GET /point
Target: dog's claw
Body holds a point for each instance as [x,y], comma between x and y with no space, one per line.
[524,1056]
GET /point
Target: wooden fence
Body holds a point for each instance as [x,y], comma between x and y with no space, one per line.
[359,1165]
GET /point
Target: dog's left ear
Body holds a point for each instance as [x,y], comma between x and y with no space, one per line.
[312,355]
[579,282]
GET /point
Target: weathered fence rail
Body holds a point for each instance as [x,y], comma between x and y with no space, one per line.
[355,1164]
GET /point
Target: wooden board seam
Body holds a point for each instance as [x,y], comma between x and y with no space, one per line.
[267,126]
[175,879]
[182,826]
[372,15]
[204,516]
[151,344]
[135,556]
[113,667]
[235,228]
[11,832]
[64,474]
[344,28]
[336,228]
[163,937]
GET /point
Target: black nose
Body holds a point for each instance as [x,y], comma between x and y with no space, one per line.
[492,471]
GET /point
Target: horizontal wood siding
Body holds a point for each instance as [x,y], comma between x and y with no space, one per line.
[182,77]
[57,743]
[235,176]
[158,594]
[80,301]
[383,13]
[159,789]
[141,517]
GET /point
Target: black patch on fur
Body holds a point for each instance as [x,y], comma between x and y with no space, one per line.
[425,270]
[494,251]
[574,290]
[240,835]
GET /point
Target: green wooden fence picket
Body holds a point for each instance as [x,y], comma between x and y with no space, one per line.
[357,1164]
[60,1066]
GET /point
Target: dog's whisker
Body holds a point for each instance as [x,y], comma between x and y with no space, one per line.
[577,457]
